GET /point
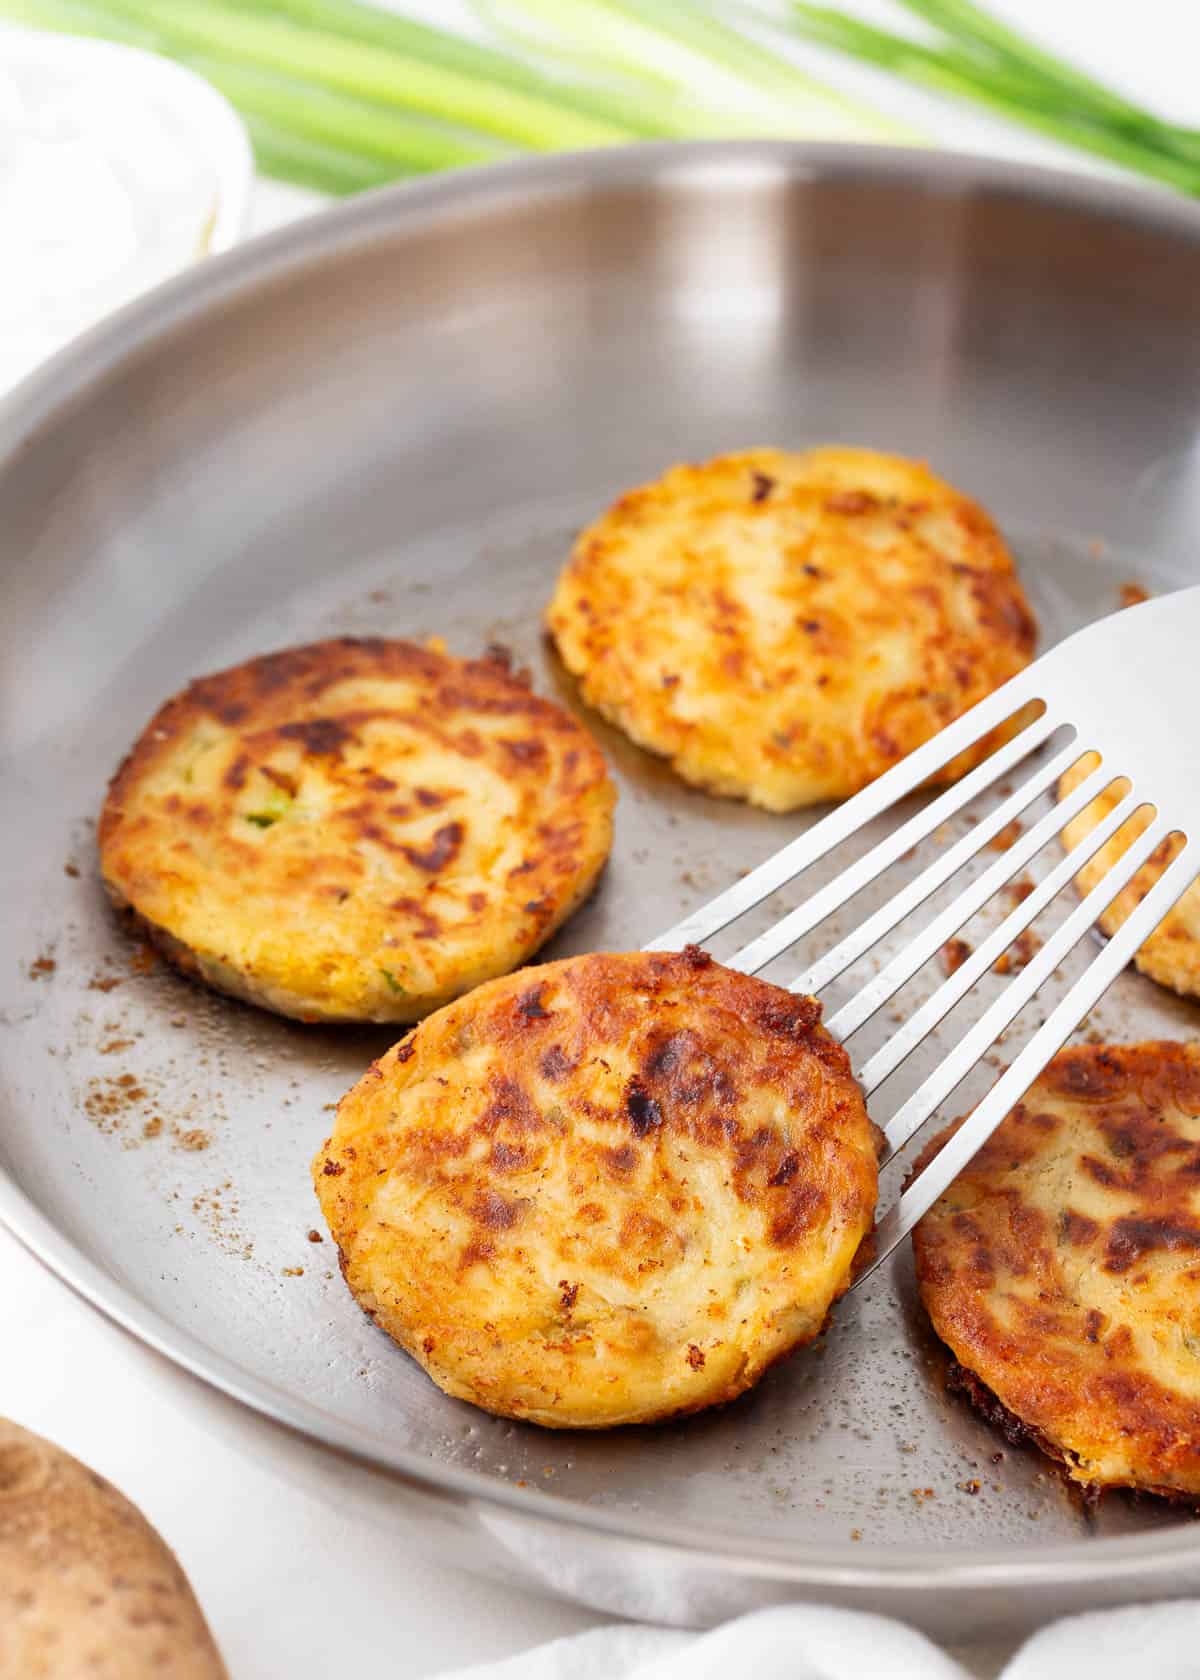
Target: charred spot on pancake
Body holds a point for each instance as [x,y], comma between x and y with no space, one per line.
[444,848]
[509,1105]
[529,1004]
[317,735]
[851,501]
[1130,1239]
[787,1169]
[496,1212]
[1077,1228]
[508,1157]
[554,1063]
[645,1115]
[525,752]
[801,1209]
[667,1055]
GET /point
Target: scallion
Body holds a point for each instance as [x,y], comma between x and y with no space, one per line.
[375,72]
[344,94]
[695,65]
[282,153]
[353,128]
[376,26]
[986,63]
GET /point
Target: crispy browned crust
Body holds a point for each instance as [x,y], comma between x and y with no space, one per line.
[357,829]
[961,1381]
[1171,955]
[784,627]
[1062,1267]
[609,1190]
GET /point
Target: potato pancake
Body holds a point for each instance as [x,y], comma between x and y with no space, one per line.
[1062,1267]
[356,830]
[607,1190]
[783,628]
[1171,955]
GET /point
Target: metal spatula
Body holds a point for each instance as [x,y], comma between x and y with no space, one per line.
[1125,688]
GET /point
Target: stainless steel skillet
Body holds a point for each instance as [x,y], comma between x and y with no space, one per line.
[391,419]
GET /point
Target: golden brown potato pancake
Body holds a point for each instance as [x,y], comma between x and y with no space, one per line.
[1171,955]
[1062,1267]
[607,1190]
[356,830]
[785,627]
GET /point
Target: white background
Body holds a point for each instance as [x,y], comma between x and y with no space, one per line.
[290,1587]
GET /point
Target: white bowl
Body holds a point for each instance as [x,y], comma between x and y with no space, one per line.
[117,169]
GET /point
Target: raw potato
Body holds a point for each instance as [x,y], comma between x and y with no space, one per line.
[1062,1266]
[1171,955]
[356,830]
[88,1590]
[784,627]
[606,1190]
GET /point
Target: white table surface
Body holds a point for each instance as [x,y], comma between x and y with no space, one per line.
[291,1587]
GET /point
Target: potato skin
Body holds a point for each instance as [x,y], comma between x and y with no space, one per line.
[356,830]
[1062,1267]
[1171,955]
[607,1190]
[783,628]
[87,1587]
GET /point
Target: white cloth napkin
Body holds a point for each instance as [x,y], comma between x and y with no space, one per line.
[807,1642]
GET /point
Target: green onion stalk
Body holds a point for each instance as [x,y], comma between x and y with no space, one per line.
[987,64]
[343,95]
[687,61]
